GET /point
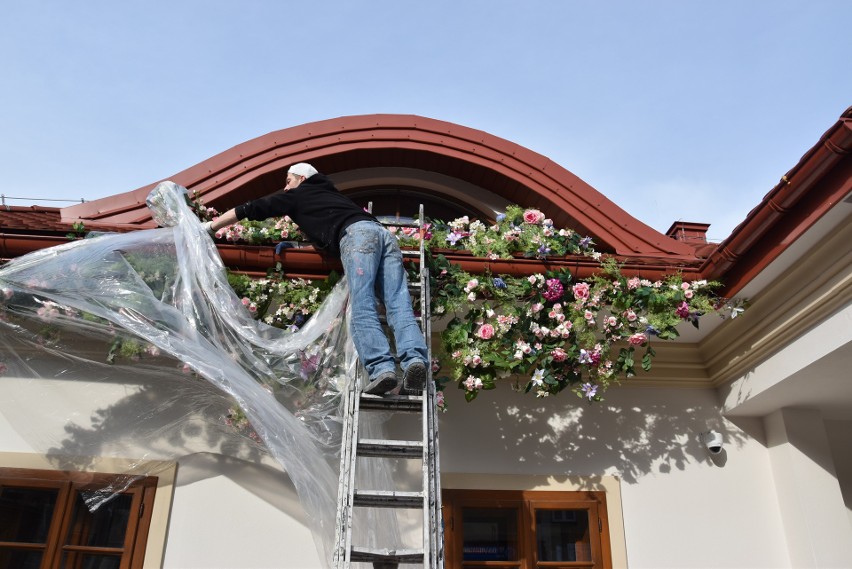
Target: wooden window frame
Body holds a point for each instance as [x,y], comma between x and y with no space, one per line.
[69,484]
[527,502]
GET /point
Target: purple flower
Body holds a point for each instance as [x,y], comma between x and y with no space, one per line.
[554,290]
[683,310]
[589,390]
[543,251]
[501,217]
[586,242]
[454,237]
[499,283]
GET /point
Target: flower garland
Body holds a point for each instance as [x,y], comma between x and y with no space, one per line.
[527,232]
[556,333]
[517,231]
[545,332]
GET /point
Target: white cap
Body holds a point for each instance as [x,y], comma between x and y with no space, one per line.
[302,169]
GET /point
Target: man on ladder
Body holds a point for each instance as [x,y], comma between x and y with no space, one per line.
[372,262]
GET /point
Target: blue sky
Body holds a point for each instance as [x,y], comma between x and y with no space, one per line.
[675,110]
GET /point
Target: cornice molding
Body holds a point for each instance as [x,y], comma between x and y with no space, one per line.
[819,285]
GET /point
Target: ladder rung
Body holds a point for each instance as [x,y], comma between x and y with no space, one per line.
[365,555]
[387,499]
[411,403]
[390,448]
[410,252]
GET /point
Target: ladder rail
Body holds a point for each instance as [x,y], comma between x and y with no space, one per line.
[346,482]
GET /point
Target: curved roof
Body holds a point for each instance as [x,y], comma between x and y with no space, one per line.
[405,143]
[366,155]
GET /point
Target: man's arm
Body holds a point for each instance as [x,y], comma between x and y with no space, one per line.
[224,220]
[274,205]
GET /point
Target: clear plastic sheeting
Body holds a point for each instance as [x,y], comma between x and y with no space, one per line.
[134,345]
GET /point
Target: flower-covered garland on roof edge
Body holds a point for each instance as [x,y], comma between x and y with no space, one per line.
[545,332]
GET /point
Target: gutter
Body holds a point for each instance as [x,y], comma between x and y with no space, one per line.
[12,245]
[306,263]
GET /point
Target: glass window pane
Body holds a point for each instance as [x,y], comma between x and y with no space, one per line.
[105,527]
[563,535]
[89,561]
[25,513]
[490,534]
[20,559]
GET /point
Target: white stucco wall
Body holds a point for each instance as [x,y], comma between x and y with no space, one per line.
[233,515]
[839,437]
[681,509]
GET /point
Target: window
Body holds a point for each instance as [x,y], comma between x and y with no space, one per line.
[45,523]
[525,529]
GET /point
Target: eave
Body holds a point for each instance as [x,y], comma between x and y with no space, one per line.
[821,179]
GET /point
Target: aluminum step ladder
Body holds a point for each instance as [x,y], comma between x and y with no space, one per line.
[355,447]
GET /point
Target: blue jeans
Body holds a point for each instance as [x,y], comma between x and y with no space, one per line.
[372,262]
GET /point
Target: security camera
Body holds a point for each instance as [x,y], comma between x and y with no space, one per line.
[713,441]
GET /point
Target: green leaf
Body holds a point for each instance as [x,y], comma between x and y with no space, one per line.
[646,362]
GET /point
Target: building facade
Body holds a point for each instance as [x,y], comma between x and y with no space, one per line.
[773,383]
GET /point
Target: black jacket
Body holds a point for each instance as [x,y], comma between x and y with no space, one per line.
[317,207]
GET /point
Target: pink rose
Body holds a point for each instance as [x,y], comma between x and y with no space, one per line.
[472,383]
[581,290]
[637,339]
[633,283]
[486,331]
[533,216]
[559,354]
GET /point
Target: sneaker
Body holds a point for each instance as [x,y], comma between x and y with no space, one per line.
[414,378]
[382,384]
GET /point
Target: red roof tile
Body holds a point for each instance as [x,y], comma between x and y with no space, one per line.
[32,218]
